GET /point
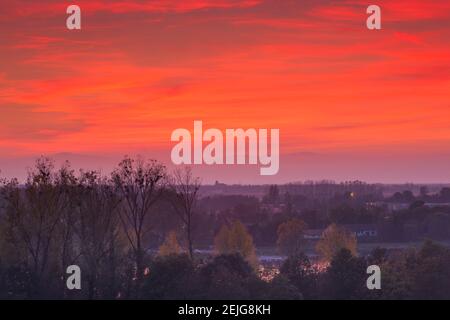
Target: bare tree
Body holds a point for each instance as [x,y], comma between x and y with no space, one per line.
[66,181]
[140,184]
[97,226]
[184,189]
[34,213]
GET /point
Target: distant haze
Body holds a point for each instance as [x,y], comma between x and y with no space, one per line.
[377,168]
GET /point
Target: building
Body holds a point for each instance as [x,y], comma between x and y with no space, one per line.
[363,232]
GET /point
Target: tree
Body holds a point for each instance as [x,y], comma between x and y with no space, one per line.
[289,205]
[291,236]
[170,245]
[227,276]
[185,189]
[346,277]
[397,277]
[432,272]
[334,239]
[300,272]
[33,215]
[281,288]
[444,194]
[171,277]
[273,195]
[235,239]
[343,213]
[417,274]
[424,191]
[65,246]
[140,184]
[97,231]
[377,256]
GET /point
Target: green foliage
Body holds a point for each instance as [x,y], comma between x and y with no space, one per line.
[346,277]
[281,288]
[170,277]
[417,274]
[300,272]
[397,277]
[227,277]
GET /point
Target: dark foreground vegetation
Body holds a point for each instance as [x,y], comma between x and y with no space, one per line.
[135,232]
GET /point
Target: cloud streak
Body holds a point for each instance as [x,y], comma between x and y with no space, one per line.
[140,69]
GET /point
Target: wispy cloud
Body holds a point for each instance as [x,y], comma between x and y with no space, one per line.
[139,69]
[26,122]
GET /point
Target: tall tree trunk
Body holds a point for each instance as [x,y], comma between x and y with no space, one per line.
[139,268]
[190,246]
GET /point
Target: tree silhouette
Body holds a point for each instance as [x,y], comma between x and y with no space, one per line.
[140,184]
[184,189]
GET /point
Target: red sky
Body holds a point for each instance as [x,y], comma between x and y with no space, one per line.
[350,103]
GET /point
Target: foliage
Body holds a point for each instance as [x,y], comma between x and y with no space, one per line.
[231,277]
[105,224]
[170,277]
[334,239]
[291,236]
[418,274]
[170,245]
[140,184]
[300,272]
[236,239]
[346,277]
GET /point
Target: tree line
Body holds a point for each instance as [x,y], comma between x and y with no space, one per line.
[104,224]
[59,217]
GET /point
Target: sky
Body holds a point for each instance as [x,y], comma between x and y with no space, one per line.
[350,103]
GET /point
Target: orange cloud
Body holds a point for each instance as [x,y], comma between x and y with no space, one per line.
[140,69]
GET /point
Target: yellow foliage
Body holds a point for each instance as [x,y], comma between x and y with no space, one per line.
[170,245]
[334,239]
[235,239]
[291,236]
